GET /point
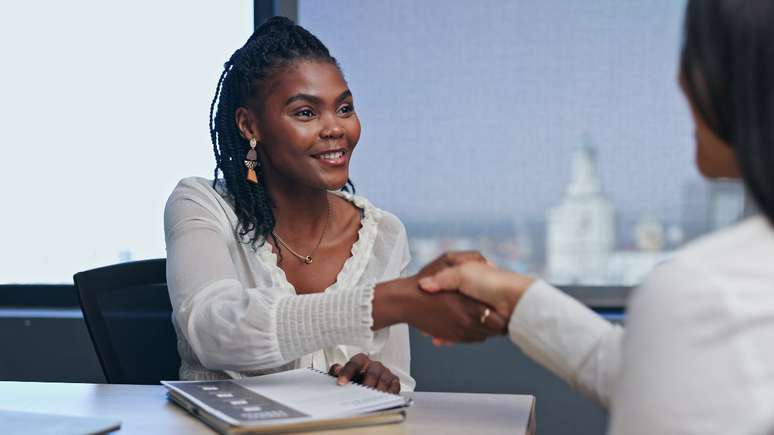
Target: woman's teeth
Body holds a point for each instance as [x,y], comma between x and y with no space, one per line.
[333,155]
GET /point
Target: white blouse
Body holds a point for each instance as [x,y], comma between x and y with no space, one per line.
[697,353]
[236,314]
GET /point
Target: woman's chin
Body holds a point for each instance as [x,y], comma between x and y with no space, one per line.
[723,167]
[336,184]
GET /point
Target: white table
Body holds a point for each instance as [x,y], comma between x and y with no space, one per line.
[144,409]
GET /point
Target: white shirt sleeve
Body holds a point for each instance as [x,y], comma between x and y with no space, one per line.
[231,327]
[569,339]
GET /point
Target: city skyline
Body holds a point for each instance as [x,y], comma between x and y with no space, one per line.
[583,239]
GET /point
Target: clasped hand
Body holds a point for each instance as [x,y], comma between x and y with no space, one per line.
[459,297]
[484,282]
[454,316]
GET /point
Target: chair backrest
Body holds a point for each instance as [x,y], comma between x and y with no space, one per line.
[128,313]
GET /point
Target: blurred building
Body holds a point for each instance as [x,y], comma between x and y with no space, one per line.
[581,230]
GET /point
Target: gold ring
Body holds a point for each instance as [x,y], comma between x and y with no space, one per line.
[484,316]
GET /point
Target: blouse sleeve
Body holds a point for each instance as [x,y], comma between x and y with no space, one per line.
[230,327]
[569,339]
[395,353]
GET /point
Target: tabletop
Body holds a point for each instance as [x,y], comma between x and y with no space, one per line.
[144,409]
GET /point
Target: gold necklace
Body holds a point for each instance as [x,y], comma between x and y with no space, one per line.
[307,259]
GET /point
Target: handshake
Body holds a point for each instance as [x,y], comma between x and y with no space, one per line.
[459,297]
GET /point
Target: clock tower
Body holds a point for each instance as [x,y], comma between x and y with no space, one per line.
[580,230]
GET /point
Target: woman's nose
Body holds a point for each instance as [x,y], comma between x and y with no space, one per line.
[332,130]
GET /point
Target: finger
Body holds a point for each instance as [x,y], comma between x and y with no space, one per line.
[357,364]
[454,258]
[495,323]
[441,342]
[479,316]
[492,322]
[447,279]
[395,386]
[372,374]
[429,284]
[476,280]
[334,370]
[348,372]
[385,380]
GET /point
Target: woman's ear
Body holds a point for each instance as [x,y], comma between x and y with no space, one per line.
[247,124]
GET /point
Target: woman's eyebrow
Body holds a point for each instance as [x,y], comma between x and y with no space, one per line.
[314,99]
[307,97]
[344,95]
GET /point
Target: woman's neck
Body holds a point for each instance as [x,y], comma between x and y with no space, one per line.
[300,212]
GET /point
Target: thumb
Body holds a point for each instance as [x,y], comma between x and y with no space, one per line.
[447,279]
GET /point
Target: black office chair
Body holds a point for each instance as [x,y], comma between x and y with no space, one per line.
[127,311]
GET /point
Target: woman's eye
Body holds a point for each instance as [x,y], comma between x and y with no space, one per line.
[346,109]
[305,113]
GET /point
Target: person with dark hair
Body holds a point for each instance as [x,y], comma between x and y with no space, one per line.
[696,356]
[277,264]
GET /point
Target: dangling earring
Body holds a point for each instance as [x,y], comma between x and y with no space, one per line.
[251,161]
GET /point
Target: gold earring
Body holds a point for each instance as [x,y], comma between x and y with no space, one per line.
[251,161]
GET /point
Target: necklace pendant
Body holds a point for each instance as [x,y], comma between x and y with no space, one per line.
[308,259]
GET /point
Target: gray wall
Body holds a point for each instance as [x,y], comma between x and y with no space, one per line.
[47,345]
[53,345]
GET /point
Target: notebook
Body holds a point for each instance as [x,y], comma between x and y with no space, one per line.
[12,423]
[295,400]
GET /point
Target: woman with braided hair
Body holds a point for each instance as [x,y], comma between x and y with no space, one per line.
[276,265]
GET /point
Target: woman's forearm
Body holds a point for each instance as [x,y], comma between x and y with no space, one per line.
[392,302]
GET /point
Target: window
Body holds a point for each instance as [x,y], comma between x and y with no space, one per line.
[104,108]
[551,135]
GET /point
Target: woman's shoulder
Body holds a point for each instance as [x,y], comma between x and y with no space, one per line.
[198,196]
[742,247]
[382,220]
[731,264]
[194,186]
[200,190]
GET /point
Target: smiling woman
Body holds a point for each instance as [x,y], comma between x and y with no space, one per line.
[275,266]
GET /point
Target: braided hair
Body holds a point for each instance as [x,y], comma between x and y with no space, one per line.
[277,43]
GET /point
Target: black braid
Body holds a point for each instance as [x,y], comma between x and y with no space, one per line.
[276,43]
